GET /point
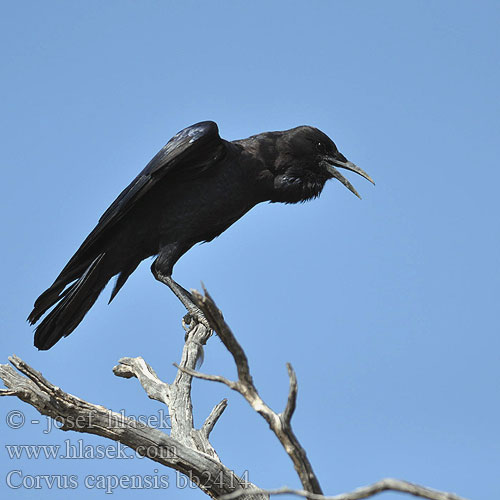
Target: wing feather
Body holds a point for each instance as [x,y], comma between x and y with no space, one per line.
[188,154]
[191,150]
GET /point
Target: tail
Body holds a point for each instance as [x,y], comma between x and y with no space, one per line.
[72,303]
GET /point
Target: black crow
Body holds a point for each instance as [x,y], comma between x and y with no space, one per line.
[191,191]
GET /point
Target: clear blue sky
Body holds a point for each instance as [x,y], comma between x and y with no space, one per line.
[386,307]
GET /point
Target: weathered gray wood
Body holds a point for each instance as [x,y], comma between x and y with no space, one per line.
[187,449]
[202,466]
[387,484]
[280,423]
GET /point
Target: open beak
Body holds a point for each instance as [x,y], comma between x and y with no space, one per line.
[348,165]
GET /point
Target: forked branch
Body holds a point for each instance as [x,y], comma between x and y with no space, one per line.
[280,423]
[188,449]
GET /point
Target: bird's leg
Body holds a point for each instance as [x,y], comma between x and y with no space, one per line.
[185,297]
[162,271]
[194,312]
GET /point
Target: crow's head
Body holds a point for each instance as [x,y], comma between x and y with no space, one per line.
[307,159]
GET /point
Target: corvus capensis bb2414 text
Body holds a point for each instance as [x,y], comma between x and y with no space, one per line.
[191,191]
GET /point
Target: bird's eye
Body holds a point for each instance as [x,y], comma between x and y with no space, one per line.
[320,146]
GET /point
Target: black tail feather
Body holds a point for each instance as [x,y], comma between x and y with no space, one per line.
[55,293]
[73,304]
[122,278]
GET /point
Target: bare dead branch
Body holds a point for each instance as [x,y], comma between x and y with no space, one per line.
[212,378]
[212,419]
[279,423]
[292,395]
[180,404]
[202,467]
[364,492]
[215,318]
[188,449]
[137,367]
[78,415]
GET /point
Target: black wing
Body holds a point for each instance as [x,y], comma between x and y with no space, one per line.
[189,153]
